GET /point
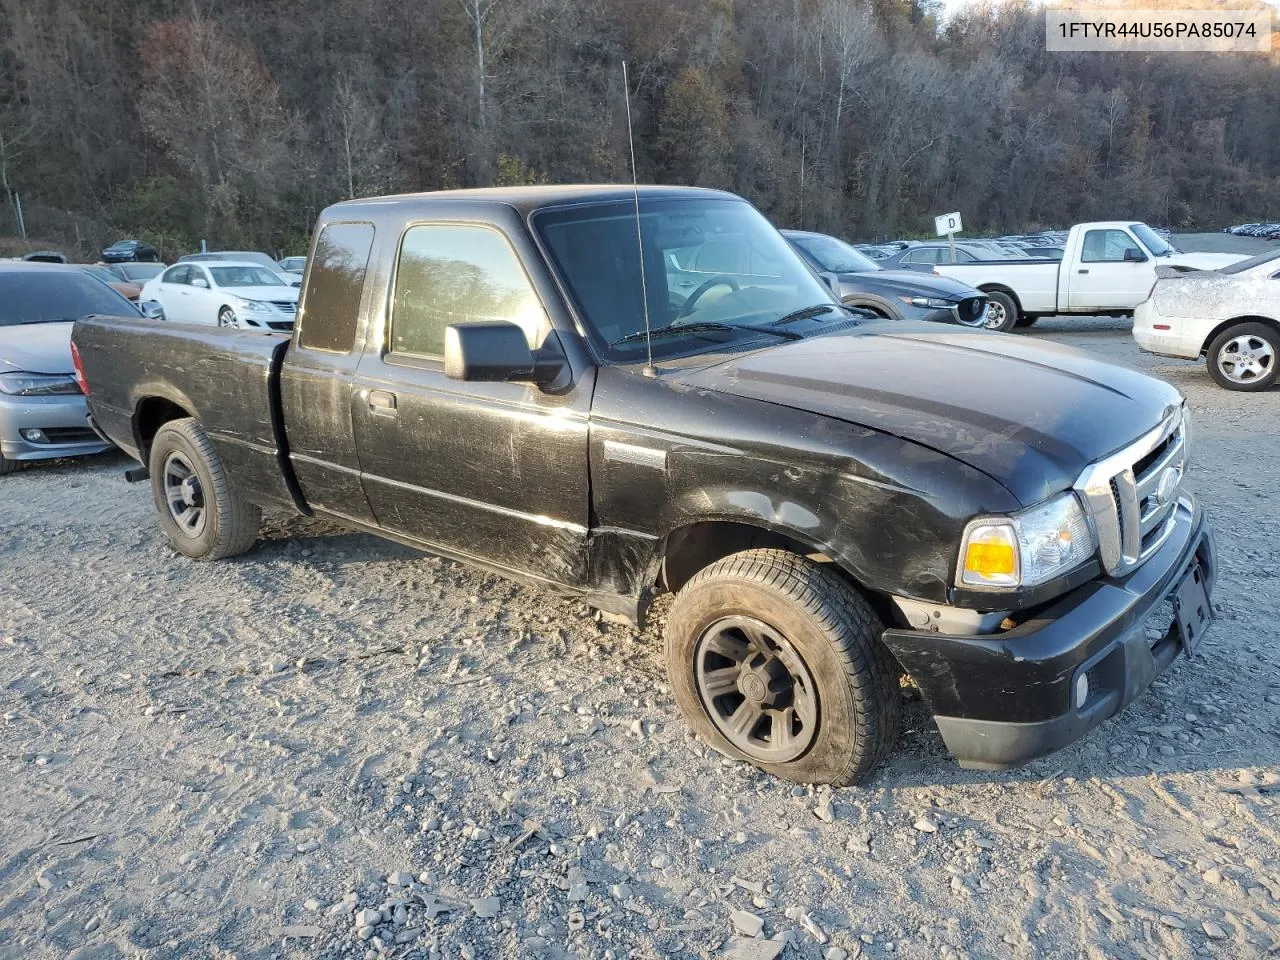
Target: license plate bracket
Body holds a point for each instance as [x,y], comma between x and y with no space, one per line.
[1191,610]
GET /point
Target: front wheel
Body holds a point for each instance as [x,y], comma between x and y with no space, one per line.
[199,512]
[227,318]
[1244,357]
[7,465]
[776,660]
[1002,312]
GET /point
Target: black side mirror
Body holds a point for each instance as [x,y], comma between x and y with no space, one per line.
[1134,255]
[497,352]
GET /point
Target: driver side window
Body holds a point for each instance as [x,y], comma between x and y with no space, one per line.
[180,274]
[1106,246]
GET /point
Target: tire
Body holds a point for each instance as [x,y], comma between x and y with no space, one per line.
[227,318]
[226,525]
[1002,312]
[1256,341]
[843,680]
[7,465]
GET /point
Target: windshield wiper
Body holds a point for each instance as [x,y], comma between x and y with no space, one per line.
[674,329]
[805,313]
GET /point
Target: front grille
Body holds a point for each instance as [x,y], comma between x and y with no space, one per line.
[970,309]
[288,306]
[1129,499]
[283,325]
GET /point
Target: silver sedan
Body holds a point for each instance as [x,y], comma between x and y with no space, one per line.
[42,407]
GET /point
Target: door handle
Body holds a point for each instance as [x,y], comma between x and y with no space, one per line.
[1082,271]
[382,403]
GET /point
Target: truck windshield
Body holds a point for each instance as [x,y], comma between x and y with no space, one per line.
[714,265]
[834,255]
[53,296]
[244,277]
[1152,240]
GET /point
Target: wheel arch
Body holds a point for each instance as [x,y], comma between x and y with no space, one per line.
[1007,291]
[1226,325]
[870,301]
[698,543]
[152,412]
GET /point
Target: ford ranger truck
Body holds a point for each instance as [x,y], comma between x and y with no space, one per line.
[1107,268]
[513,378]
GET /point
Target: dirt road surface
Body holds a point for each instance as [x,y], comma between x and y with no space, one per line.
[336,747]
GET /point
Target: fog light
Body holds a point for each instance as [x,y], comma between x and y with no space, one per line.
[34,434]
[1082,690]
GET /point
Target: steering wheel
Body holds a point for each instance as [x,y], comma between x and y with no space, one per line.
[716,281]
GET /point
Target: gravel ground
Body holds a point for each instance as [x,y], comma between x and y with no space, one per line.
[336,747]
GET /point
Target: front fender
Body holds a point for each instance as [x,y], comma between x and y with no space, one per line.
[885,529]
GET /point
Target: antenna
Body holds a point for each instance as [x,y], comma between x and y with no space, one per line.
[648,371]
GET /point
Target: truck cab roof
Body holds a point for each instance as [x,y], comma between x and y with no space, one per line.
[528,199]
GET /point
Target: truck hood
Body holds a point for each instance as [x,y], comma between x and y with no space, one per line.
[1199,261]
[264,293]
[1031,415]
[906,283]
[36,348]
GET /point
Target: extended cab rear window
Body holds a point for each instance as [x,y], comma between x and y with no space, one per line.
[331,303]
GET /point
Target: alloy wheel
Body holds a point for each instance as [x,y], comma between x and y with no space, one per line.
[1246,358]
[183,494]
[756,689]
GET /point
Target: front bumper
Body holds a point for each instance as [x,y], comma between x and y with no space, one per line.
[1002,700]
[62,419]
[970,312]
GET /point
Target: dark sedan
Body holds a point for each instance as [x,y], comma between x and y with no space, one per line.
[127,251]
[896,294]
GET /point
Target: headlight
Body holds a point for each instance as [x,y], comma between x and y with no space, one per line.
[255,306]
[37,384]
[936,303]
[1028,548]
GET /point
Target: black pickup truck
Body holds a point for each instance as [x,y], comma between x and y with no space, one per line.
[832,499]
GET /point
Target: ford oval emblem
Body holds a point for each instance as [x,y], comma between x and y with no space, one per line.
[1167,488]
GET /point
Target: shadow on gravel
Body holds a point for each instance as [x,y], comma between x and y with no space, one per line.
[69,467]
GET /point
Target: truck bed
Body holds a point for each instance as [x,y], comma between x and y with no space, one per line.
[1033,282]
[138,369]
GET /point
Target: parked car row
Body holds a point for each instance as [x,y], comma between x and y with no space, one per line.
[1263,231]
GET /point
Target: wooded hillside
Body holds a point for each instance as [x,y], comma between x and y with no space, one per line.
[237,121]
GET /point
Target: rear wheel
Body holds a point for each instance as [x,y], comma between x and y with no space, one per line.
[199,512]
[776,660]
[1002,312]
[1245,357]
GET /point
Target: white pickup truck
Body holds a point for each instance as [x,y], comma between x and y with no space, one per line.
[1107,268]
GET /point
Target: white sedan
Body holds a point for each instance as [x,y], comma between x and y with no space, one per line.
[1229,316]
[226,294]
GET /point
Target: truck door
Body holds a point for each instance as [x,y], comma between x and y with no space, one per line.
[1103,279]
[495,472]
[316,382]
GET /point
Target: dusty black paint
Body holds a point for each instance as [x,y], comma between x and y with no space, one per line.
[872,446]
